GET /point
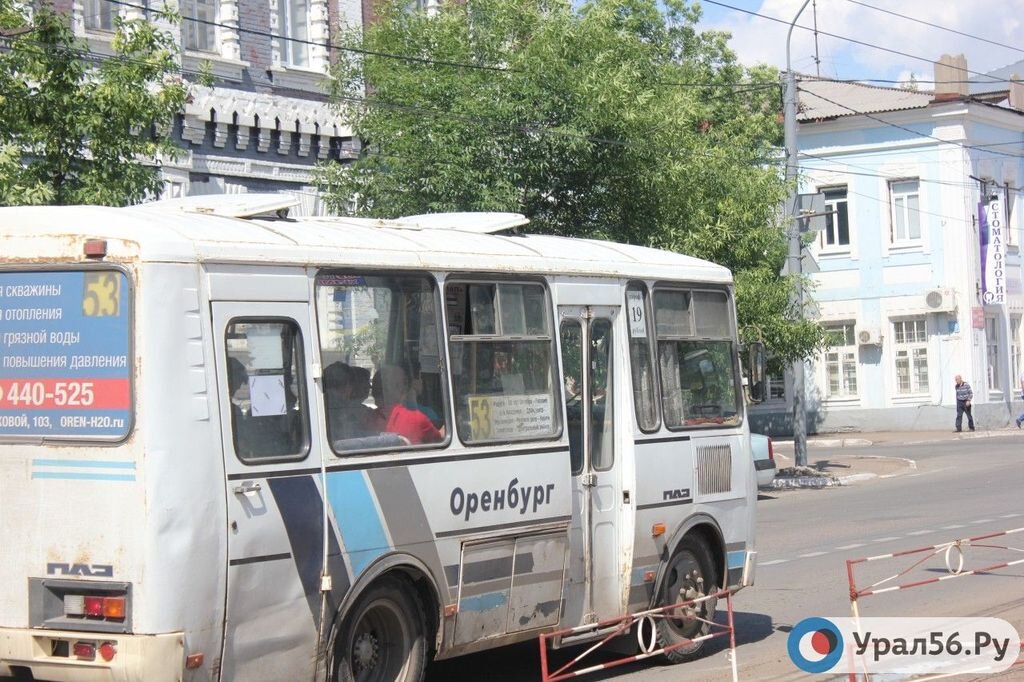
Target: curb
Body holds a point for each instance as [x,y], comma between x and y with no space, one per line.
[805,482]
[864,442]
[828,443]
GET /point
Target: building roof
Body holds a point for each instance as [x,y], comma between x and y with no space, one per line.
[996,81]
[820,99]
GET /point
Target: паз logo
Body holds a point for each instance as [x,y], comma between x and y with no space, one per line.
[815,645]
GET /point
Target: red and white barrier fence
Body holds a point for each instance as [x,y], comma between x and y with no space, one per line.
[648,645]
[953,551]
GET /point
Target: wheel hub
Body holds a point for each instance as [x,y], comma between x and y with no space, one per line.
[364,651]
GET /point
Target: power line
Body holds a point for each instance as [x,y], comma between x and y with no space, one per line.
[489,121]
[741,87]
[893,81]
[329,45]
[837,36]
[943,28]
[871,173]
[909,130]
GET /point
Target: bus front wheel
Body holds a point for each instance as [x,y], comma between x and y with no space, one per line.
[689,575]
[383,637]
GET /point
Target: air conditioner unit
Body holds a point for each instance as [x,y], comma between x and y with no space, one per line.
[869,337]
[940,300]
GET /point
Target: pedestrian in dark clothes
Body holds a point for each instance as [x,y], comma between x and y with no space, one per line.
[964,395]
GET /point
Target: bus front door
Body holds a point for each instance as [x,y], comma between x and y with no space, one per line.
[275,513]
[595,575]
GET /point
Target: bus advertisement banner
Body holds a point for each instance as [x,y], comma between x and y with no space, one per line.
[65,370]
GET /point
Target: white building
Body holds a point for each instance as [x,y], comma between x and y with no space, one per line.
[900,286]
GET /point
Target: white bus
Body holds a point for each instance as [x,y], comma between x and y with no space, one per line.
[238,446]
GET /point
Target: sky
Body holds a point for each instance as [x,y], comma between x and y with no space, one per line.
[761,40]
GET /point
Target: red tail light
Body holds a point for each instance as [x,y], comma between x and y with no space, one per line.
[85,650]
[94,606]
[771,450]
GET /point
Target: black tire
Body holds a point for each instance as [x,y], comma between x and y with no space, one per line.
[383,638]
[690,574]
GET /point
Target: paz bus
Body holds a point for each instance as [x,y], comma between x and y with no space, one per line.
[236,445]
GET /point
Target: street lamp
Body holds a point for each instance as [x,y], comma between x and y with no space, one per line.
[795,246]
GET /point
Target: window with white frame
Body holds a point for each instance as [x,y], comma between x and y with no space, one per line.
[911,354]
[840,362]
[836,235]
[293,29]
[992,352]
[99,15]
[198,30]
[906,210]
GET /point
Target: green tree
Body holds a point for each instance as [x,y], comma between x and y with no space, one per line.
[613,119]
[78,128]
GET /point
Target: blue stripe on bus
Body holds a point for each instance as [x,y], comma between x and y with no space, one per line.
[77,476]
[737,559]
[84,464]
[483,602]
[355,513]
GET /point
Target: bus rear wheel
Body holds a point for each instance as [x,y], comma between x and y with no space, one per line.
[383,637]
[689,575]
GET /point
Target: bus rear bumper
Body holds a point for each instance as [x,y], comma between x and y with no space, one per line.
[50,655]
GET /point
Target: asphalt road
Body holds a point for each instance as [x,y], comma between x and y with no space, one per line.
[959,489]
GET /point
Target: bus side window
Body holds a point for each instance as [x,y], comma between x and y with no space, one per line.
[269,419]
[502,351]
[380,341]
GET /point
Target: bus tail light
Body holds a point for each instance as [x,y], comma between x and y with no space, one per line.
[94,606]
[74,605]
[108,651]
[771,451]
[86,650]
[113,608]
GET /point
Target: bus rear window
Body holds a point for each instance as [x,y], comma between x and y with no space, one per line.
[65,363]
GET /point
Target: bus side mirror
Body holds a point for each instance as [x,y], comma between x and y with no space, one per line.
[756,366]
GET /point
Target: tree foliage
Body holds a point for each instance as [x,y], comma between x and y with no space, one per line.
[612,119]
[78,128]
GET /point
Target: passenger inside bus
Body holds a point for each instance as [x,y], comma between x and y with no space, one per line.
[345,389]
[392,392]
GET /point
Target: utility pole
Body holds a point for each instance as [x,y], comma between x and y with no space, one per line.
[795,257]
[817,57]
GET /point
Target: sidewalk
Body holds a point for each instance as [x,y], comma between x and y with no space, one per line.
[862,439]
[832,465]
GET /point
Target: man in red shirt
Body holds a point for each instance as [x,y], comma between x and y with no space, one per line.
[404,418]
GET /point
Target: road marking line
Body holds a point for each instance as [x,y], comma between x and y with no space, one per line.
[772,563]
[889,539]
[1009,516]
[921,532]
[811,555]
[982,521]
[853,546]
[953,526]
